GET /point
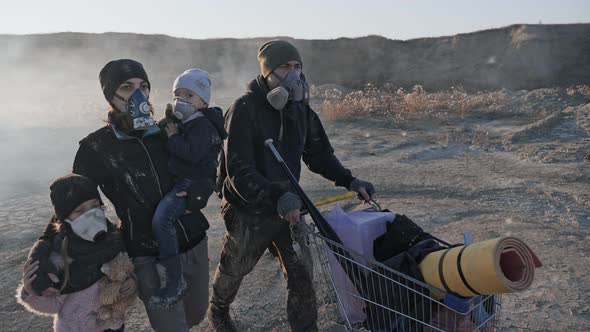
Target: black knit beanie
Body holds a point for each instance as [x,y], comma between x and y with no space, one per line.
[69,191]
[274,53]
[118,71]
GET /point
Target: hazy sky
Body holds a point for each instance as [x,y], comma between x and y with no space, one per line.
[309,19]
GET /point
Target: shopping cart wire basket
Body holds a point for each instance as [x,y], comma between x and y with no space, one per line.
[391,301]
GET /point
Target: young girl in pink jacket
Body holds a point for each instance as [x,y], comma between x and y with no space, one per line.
[72,265]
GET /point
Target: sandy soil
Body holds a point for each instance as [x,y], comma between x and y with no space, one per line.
[519,171]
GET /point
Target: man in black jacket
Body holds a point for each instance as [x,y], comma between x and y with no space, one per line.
[258,202]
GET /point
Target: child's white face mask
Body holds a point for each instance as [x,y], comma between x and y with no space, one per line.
[90,224]
[185,110]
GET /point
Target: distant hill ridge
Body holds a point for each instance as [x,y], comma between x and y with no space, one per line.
[513,57]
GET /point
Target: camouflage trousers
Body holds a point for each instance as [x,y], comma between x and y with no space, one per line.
[247,238]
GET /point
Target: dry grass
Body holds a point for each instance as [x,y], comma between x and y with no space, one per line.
[583,90]
[520,35]
[397,102]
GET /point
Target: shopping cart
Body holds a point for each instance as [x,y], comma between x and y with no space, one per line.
[391,301]
[382,298]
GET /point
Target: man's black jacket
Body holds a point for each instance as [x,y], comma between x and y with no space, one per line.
[252,178]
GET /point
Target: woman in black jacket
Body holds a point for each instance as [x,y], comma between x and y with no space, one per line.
[128,159]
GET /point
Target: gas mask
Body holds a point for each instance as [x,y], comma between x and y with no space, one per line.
[138,106]
[292,88]
[184,110]
[90,225]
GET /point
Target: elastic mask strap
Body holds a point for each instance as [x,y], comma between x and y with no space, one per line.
[281,130]
[278,79]
[120,98]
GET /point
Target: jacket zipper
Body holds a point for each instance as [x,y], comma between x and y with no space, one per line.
[152,167]
[183,230]
[130,224]
[159,186]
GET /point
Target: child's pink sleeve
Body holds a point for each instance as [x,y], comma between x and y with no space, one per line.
[41,305]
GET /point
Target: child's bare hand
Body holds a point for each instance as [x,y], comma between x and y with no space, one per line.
[29,274]
[50,292]
[171,129]
[293,216]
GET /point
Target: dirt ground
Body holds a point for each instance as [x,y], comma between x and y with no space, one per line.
[521,171]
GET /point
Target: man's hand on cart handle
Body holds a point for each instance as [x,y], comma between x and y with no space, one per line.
[293,217]
[365,189]
[288,207]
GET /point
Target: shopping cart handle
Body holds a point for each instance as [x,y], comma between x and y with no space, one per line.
[330,200]
[334,199]
[319,220]
[268,142]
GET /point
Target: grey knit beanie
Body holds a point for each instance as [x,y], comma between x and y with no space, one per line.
[197,81]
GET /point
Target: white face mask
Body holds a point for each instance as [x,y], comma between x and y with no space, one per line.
[184,110]
[89,224]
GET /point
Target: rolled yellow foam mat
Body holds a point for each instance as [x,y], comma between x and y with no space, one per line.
[502,265]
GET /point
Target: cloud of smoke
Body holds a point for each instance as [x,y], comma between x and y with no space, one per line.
[50,96]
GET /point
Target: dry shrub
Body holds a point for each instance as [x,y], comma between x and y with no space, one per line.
[388,100]
[583,90]
[520,35]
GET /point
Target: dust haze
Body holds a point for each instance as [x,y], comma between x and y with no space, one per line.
[50,96]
